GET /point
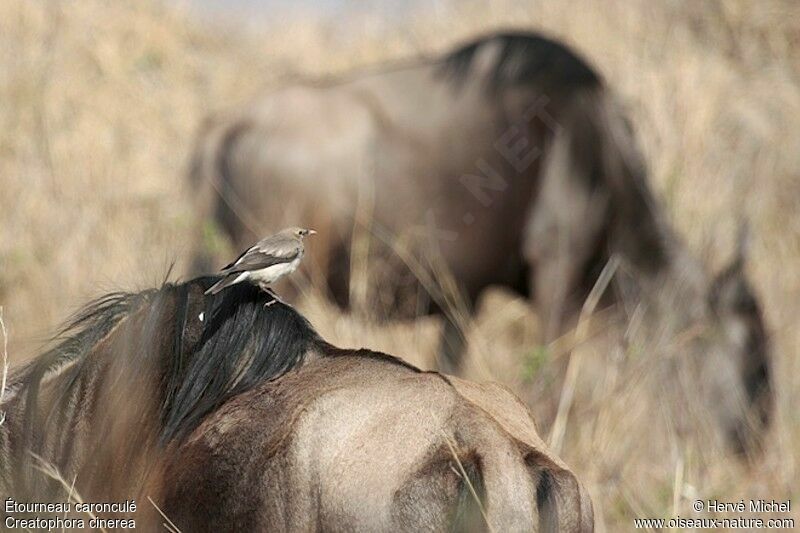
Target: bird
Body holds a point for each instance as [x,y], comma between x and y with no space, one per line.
[266,261]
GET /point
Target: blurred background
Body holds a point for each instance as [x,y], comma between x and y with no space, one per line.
[100,103]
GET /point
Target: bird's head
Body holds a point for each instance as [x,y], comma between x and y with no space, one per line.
[300,232]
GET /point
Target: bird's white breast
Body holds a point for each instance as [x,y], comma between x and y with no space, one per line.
[272,273]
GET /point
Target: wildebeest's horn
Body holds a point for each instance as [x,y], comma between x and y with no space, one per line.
[564,504]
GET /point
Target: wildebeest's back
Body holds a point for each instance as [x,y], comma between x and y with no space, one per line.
[426,150]
[363,443]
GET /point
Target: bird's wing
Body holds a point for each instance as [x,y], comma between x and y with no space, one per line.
[265,254]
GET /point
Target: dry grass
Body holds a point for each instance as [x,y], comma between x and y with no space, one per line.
[101,101]
[5,364]
[49,470]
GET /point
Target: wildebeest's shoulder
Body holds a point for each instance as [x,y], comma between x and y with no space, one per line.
[235,459]
[522,58]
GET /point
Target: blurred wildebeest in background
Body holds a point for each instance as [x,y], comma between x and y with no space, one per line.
[232,414]
[506,162]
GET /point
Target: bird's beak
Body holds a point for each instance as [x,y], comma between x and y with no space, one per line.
[312,232]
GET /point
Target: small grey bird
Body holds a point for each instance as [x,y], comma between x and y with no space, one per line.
[266,261]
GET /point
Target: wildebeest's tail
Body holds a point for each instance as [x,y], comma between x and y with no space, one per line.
[218,210]
[203,182]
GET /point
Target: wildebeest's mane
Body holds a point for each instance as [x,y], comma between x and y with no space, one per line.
[247,338]
[69,360]
[204,349]
[524,58]
[79,333]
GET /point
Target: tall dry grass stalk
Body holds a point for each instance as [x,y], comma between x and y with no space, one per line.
[5,364]
[168,524]
[50,471]
[101,101]
[581,333]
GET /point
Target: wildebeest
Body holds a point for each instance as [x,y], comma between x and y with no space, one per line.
[230,413]
[506,162]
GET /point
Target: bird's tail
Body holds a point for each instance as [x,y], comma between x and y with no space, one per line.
[202,184]
[225,282]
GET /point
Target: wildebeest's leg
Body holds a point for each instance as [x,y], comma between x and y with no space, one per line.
[202,263]
[565,226]
[452,345]
[339,276]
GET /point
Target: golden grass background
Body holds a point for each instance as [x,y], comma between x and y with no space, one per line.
[100,102]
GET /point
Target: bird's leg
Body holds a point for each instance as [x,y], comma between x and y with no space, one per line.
[275,297]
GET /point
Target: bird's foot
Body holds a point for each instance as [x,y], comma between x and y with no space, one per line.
[275,298]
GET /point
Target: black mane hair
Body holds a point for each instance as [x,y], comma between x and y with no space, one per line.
[525,58]
[247,337]
[204,349]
